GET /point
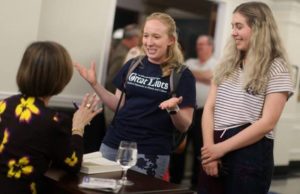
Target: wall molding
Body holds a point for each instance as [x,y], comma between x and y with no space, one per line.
[294,154]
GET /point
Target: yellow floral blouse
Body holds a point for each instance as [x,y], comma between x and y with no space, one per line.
[33,136]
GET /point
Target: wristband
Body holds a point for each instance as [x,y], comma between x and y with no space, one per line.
[173,110]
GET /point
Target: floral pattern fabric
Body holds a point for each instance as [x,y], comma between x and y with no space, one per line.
[16,169]
[32,136]
[4,140]
[2,106]
[26,108]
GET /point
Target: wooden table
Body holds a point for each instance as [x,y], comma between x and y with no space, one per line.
[64,183]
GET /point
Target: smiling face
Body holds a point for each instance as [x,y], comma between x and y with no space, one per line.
[156,41]
[241,32]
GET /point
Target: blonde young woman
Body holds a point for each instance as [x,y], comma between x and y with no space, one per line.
[143,116]
[251,86]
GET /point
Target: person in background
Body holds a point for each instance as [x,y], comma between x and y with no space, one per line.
[32,135]
[250,88]
[131,37]
[134,52]
[201,68]
[147,113]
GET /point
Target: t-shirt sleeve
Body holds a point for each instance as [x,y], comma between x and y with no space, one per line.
[121,75]
[279,79]
[187,89]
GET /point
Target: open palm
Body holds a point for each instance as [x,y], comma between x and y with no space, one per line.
[88,74]
[170,103]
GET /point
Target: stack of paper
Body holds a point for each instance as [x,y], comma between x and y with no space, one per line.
[94,163]
[102,184]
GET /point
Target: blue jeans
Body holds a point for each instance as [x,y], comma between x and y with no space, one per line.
[248,170]
[153,165]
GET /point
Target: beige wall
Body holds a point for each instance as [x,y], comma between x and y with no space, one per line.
[287,144]
[84,27]
[19,26]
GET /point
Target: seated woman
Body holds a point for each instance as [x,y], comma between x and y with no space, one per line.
[32,135]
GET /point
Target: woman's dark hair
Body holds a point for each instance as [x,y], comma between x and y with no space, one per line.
[46,68]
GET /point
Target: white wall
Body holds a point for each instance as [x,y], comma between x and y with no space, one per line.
[19,27]
[84,27]
[287,144]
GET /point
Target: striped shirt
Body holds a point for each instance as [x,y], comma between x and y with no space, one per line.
[235,107]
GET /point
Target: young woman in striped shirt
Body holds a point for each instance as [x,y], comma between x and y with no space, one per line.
[250,88]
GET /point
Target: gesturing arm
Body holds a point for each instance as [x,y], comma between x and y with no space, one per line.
[183,118]
[108,98]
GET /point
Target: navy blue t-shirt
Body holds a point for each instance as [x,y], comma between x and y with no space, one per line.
[140,119]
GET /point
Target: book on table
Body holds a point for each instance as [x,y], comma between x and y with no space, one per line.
[94,163]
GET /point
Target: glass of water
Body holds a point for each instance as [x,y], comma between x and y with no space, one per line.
[126,157]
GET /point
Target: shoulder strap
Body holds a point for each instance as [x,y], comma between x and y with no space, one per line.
[174,79]
[179,138]
[135,62]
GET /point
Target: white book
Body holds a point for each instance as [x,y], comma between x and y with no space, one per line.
[94,163]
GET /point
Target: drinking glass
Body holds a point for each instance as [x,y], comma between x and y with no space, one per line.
[126,157]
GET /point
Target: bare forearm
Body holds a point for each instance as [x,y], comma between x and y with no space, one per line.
[203,76]
[108,98]
[273,107]
[207,126]
[208,117]
[248,136]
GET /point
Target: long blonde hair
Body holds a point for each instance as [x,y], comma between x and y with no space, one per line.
[265,45]
[174,53]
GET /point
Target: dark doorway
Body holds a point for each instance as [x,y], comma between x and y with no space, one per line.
[124,17]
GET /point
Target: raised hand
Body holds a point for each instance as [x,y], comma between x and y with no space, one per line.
[87,110]
[170,103]
[88,74]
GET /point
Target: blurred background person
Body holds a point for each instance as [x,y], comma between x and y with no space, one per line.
[201,68]
[134,52]
[131,38]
